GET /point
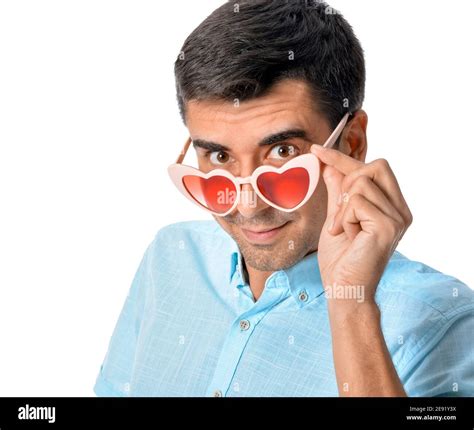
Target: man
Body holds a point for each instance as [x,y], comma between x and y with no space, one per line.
[274,297]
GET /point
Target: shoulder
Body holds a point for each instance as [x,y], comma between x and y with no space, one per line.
[198,235]
[190,229]
[424,314]
[419,284]
[189,248]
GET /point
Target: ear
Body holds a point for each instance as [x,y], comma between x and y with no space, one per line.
[354,137]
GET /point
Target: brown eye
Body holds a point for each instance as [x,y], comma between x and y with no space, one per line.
[282,151]
[219,157]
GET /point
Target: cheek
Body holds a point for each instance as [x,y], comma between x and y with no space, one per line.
[313,213]
[320,197]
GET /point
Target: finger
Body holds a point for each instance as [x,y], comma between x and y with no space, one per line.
[372,221]
[337,159]
[363,185]
[380,172]
[333,180]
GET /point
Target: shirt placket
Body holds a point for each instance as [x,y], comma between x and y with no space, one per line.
[241,330]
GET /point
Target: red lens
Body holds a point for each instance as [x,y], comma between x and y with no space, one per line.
[216,193]
[286,190]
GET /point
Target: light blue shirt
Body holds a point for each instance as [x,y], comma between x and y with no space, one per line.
[190,326]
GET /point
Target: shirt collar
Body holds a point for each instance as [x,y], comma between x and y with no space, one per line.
[303,278]
[237,277]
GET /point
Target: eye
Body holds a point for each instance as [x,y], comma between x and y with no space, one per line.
[219,157]
[283,151]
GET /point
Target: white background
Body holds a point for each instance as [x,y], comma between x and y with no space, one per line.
[89,123]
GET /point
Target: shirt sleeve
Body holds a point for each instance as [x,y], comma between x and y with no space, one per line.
[116,370]
[448,368]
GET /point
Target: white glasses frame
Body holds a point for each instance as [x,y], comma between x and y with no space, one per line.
[309,162]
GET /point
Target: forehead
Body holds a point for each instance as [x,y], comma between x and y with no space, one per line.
[287,106]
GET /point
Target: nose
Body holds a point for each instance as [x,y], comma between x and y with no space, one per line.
[249,204]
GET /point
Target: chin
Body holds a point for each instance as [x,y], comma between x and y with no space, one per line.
[278,252]
[272,257]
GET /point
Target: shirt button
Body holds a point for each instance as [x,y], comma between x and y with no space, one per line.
[244,325]
[217,393]
[303,296]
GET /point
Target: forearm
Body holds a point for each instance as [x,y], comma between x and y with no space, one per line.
[362,361]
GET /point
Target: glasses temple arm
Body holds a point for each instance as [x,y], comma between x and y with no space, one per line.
[337,131]
[183,151]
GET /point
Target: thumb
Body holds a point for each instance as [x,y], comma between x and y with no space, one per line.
[333,180]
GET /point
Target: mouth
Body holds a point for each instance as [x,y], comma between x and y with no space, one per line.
[264,235]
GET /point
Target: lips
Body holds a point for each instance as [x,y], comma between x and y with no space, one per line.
[263,230]
[263,236]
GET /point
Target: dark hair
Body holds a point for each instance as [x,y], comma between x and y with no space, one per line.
[245,47]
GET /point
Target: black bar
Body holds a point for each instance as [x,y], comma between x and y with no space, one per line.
[156,412]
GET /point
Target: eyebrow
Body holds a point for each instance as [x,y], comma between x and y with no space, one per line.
[295,133]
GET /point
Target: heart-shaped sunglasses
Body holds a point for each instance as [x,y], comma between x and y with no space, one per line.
[286,188]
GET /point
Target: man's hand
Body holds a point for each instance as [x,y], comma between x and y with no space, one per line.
[366,218]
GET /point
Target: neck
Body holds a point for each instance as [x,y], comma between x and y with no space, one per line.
[257,280]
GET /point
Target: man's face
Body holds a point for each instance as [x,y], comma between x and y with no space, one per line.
[234,137]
